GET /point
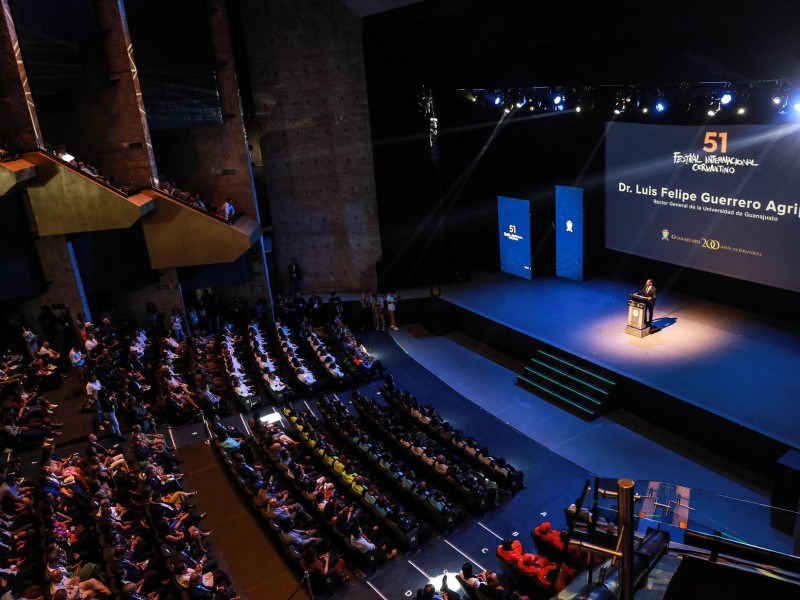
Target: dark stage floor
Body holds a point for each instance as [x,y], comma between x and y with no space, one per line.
[727,361]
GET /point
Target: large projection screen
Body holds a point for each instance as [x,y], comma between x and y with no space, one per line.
[514,224]
[722,199]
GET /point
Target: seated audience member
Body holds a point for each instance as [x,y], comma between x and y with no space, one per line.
[472,579]
[298,537]
[510,551]
[322,565]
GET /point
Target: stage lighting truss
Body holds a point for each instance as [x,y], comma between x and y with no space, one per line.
[699,100]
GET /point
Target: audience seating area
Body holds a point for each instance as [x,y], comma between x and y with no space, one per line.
[225,212]
[494,468]
[338,494]
[119,525]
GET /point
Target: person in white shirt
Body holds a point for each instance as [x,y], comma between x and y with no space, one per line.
[274,382]
[391,305]
[93,387]
[176,325]
[78,361]
[91,344]
[306,377]
[227,210]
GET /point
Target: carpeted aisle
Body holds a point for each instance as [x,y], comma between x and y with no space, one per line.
[259,570]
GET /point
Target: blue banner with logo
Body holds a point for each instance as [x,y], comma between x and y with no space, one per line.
[514,223]
[569,232]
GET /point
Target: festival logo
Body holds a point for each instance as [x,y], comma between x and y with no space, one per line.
[714,158]
[512,234]
[665,235]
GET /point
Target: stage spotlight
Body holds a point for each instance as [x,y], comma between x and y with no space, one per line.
[584,99]
[558,99]
[498,100]
[644,110]
[741,110]
[726,98]
[777,99]
[522,102]
[661,106]
[621,104]
[797,106]
[713,108]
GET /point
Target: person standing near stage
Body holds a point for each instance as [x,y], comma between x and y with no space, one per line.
[649,292]
[391,306]
[377,313]
[295,279]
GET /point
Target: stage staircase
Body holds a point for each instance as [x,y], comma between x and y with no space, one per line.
[570,382]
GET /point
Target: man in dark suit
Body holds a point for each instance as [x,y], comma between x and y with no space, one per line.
[649,292]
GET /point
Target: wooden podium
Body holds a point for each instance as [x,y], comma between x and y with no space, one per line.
[635,326]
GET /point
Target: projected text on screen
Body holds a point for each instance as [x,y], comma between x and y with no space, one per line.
[722,199]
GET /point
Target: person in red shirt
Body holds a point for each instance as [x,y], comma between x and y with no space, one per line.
[548,573]
[510,551]
[531,563]
[546,531]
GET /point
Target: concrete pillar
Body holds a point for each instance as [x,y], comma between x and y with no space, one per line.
[165,294]
[309,92]
[214,160]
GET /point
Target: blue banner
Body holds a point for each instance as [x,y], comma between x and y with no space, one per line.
[514,222]
[569,232]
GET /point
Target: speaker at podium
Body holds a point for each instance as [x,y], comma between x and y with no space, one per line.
[636,312]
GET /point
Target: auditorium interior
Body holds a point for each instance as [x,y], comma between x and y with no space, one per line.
[273,325]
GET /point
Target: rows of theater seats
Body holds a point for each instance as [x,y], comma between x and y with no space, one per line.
[266,363]
[177,386]
[364,365]
[438,464]
[542,573]
[537,574]
[21,536]
[317,343]
[309,512]
[405,528]
[235,359]
[226,212]
[534,575]
[494,468]
[121,525]
[431,504]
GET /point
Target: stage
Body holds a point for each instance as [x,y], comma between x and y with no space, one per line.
[705,365]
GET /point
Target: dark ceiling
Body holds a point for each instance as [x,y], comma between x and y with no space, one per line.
[475,43]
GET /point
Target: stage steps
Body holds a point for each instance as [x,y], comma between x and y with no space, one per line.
[570,382]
